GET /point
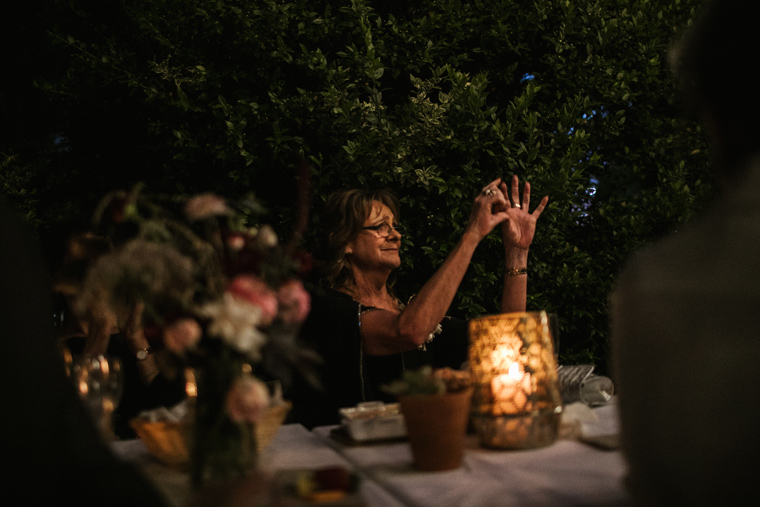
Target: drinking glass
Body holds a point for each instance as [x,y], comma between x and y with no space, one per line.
[596,390]
[99,381]
[579,383]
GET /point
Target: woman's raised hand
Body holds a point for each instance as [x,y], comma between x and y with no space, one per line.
[101,324]
[131,326]
[488,210]
[519,227]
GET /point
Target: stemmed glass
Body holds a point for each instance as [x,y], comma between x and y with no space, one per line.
[99,381]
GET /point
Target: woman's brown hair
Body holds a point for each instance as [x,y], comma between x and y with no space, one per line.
[343,218]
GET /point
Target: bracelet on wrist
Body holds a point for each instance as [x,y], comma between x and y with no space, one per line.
[517,271]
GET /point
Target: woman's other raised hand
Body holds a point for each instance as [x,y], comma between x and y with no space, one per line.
[519,227]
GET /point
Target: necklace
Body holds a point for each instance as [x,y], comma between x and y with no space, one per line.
[393,301]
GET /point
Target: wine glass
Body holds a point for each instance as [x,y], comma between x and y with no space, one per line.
[99,381]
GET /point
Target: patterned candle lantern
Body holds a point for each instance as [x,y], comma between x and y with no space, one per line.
[516,400]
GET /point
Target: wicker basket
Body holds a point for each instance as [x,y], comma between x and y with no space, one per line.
[167,441]
[267,427]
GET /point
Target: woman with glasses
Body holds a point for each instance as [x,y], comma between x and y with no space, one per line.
[364,334]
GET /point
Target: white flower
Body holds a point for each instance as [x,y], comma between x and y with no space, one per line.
[235,321]
[205,206]
[267,237]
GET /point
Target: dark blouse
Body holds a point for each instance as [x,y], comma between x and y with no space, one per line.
[348,375]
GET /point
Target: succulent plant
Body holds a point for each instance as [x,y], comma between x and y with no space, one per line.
[427,381]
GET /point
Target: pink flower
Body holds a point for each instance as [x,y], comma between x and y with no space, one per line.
[182,334]
[295,302]
[247,400]
[206,205]
[251,289]
[235,241]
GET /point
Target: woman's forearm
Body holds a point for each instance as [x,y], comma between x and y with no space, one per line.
[429,306]
[515,291]
[390,333]
[422,315]
[100,327]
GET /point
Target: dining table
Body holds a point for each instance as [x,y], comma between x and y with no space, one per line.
[293,449]
[582,468]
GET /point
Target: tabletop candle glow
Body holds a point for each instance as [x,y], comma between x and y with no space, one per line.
[516,401]
[509,390]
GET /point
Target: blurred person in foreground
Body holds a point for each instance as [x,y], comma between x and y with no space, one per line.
[51,451]
[685,334]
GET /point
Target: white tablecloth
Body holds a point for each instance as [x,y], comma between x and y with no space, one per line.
[293,448]
[567,473]
[173,484]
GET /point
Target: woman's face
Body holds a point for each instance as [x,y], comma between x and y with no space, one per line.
[371,251]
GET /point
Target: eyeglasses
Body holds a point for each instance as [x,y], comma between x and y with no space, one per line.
[383,230]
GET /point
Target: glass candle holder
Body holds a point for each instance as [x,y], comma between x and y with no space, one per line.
[516,400]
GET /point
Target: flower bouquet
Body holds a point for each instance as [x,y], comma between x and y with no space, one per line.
[222,298]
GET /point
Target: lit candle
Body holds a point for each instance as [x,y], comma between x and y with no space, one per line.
[516,404]
[510,390]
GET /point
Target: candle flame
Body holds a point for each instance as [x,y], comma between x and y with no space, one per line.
[514,371]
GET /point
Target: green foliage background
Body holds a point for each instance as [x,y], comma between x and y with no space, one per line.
[433,98]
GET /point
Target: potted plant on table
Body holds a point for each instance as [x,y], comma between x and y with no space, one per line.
[436,408]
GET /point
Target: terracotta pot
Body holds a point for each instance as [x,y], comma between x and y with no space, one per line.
[437,426]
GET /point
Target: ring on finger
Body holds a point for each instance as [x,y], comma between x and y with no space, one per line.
[517,205]
[488,192]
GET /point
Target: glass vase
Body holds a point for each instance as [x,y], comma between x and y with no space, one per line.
[221,449]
